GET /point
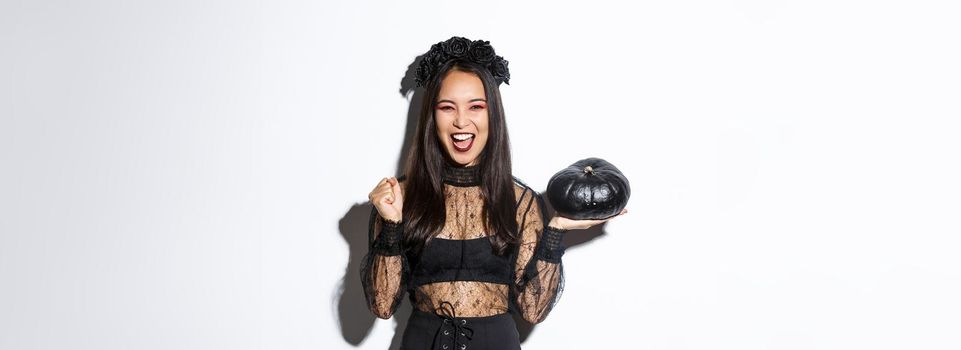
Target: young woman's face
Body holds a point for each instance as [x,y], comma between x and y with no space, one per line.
[461,117]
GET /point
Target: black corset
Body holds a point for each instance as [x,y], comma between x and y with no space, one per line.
[445,260]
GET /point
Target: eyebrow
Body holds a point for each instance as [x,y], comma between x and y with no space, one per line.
[473,100]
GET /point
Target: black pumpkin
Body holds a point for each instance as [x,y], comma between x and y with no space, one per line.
[590,189]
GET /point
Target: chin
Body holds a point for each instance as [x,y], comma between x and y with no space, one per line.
[463,160]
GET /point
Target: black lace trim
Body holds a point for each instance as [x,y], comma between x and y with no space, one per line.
[550,248]
[461,176]
[388,242]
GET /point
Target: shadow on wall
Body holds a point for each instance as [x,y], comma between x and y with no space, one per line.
[354,317]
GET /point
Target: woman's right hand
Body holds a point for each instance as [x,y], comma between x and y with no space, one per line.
[388,198]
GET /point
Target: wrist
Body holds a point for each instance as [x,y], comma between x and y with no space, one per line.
[392,228]
[556,225]
[550,247]
[389,239]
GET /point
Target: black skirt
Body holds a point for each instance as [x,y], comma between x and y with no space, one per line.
[442,331]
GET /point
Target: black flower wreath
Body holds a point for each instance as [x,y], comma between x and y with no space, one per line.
[479,51]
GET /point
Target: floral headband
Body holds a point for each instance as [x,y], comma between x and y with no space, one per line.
[478,51]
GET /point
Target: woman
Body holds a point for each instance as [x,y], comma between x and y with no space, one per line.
[469,242]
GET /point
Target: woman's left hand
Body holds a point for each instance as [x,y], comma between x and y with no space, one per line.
[570,224]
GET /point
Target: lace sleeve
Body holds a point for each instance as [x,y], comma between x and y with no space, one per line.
[539,274]
[384,270]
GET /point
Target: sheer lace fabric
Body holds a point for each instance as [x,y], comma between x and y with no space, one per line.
[535,260]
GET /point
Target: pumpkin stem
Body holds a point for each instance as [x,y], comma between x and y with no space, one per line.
[589,169]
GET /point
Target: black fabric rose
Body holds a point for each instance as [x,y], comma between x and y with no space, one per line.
[429,63]
[481,52]
[500,72]
[457,46]
[423,72]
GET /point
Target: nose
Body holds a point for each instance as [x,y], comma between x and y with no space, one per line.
[461,120]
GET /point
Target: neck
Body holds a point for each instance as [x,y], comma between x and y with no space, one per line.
[461,175]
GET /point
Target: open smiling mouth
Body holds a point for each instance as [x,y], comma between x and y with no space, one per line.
[462,141]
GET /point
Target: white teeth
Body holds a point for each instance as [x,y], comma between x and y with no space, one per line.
[462,137]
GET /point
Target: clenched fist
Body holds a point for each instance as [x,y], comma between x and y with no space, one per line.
[388,198]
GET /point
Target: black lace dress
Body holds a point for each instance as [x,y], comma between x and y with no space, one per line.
[462,292]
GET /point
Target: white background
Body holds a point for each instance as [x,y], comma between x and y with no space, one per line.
[191,175]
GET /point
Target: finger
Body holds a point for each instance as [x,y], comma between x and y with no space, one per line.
[378,188]
[608,219]
[398,192]
[391,184]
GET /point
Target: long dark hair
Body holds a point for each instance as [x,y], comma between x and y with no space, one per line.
[424,209]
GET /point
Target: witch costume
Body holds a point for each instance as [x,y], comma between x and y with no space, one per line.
[464,291]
